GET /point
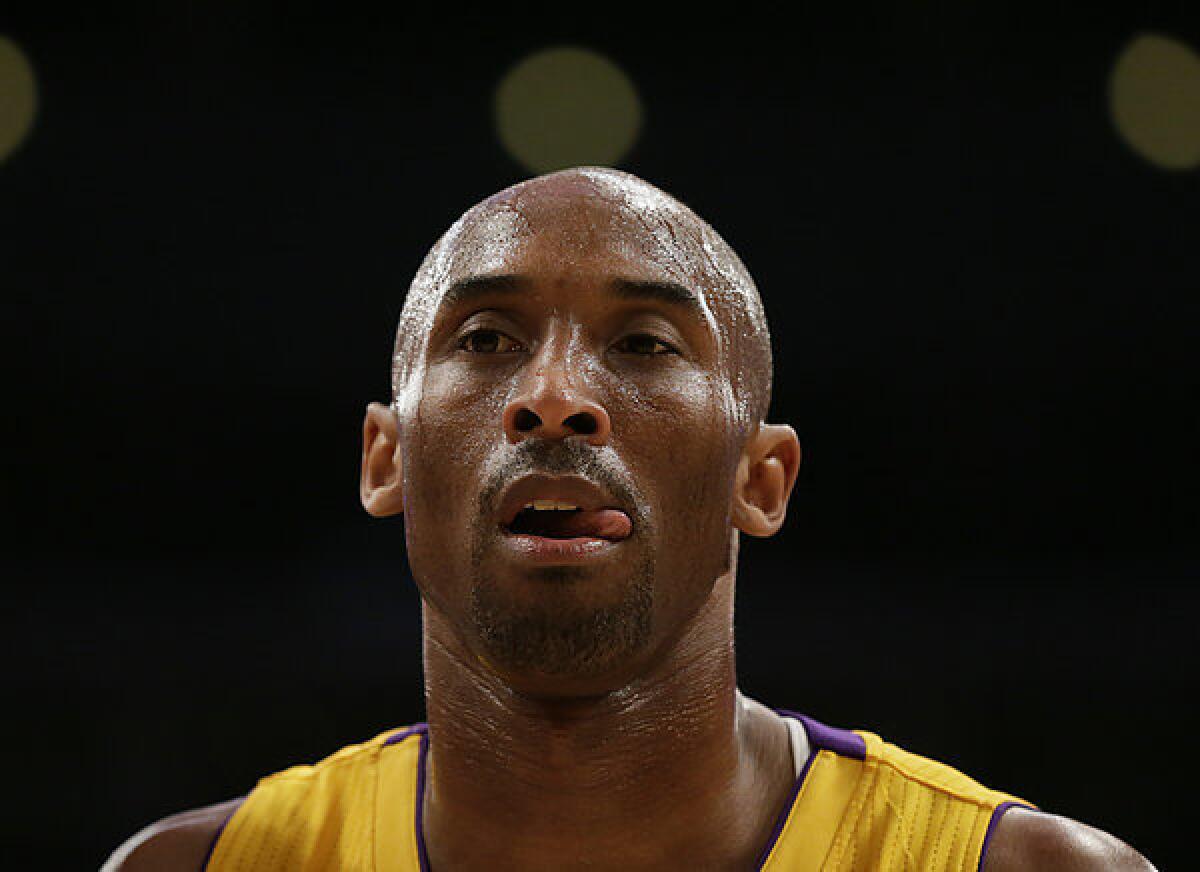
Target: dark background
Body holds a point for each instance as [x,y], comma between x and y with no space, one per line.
[984,307]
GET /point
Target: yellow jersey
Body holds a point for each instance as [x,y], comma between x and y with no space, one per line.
[859,803]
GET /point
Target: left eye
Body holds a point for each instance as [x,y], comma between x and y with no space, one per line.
[644,343]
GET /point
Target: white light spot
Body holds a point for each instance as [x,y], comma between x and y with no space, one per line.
[565,107]
[1155,100]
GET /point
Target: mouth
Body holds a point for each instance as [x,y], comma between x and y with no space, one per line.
[555,518]
[552,519]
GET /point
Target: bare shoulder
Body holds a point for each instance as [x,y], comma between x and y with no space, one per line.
[176,843]
[1031,840]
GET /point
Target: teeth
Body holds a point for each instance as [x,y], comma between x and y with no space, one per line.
[551,506]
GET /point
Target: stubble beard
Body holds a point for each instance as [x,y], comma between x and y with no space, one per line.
[561,634]
[553,639]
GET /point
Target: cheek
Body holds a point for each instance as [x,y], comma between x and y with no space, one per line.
[448,439]
[458,416]
[677,445]
[676,439]
[677,403]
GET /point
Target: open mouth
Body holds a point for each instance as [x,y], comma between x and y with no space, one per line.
[552,519]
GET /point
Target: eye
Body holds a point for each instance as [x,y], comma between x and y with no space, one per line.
[645,344]
[488,342]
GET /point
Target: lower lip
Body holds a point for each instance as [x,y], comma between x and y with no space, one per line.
[539,549]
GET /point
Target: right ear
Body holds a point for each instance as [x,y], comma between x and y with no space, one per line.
[381,484]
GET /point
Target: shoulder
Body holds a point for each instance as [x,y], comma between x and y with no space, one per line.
[1029,840]
[179,842]
[292,798]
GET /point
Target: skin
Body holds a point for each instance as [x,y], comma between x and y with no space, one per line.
[590,752]
[587,716]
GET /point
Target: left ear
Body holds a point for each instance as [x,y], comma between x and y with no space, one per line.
[765,476]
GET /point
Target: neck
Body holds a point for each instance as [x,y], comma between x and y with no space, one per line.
[673,768]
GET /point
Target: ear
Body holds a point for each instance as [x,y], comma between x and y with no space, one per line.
[765,476]
[381,484]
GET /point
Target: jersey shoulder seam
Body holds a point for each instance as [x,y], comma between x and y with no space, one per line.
[897,766]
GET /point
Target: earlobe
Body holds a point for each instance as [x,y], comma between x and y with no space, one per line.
[381,482]
[765,476]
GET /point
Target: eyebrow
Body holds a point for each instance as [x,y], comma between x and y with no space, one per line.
[469,289]
[671,293]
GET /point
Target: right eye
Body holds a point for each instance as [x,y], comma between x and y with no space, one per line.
[488,342]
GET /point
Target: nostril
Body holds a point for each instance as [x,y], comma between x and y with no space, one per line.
[526,420]
[583,423]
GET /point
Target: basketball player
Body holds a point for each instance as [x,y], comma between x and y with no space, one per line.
[576,442]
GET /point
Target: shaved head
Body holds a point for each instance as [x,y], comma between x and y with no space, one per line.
[581,330]
[619,209]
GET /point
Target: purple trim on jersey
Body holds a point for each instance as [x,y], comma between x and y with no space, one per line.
[991,828]
[212,846]
[414,730]
[844,743]
[422,854]
[821,738]
[421,730]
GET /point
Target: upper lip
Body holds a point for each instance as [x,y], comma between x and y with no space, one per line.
[573,489]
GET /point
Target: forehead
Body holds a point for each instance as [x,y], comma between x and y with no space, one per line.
[578,232]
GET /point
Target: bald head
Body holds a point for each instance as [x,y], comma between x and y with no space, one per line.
[595,211]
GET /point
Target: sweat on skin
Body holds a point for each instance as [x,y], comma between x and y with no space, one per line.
[608,313]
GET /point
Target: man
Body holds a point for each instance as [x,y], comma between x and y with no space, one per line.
[576,442]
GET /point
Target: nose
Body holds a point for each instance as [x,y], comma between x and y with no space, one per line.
[550,406]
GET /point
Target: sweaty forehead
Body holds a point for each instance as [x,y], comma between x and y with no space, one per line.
[596,224]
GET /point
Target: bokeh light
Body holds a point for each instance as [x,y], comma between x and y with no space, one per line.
[1155,100]
[565,107]
[18,97]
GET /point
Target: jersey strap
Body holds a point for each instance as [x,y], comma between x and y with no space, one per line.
[865,804]
[356,810]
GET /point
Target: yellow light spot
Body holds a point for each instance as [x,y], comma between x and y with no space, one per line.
[1155,100]
[18,96]
[565,107]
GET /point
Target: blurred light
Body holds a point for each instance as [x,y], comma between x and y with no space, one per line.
[1155,100]
[565,107]
[18,96]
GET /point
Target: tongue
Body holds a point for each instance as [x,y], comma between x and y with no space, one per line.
[611,524]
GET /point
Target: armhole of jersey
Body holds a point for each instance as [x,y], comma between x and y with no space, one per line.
[212,846]
[997,813]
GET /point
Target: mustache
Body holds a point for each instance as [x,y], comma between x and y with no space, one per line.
[560,457]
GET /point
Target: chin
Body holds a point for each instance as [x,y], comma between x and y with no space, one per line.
[557,639]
